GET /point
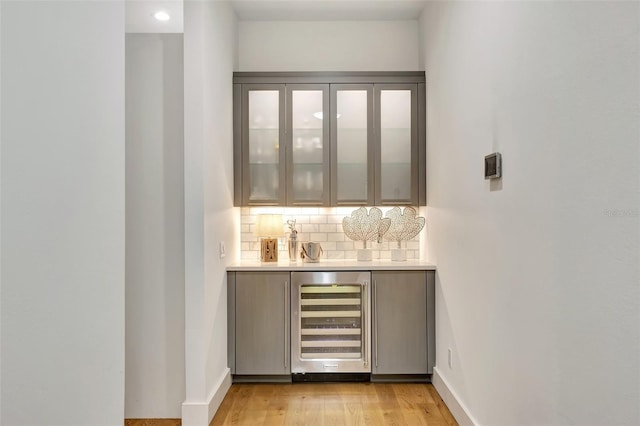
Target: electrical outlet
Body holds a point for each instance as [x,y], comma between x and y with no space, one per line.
[450,358]
[222,250]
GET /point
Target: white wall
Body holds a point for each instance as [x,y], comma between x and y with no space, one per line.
[328,46]
[63,223]
[210,58]
[154,226]
[538,273]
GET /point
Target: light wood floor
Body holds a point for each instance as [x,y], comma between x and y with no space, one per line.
[152,422]
[333,404]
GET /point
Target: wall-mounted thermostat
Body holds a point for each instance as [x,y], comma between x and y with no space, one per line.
[493,166]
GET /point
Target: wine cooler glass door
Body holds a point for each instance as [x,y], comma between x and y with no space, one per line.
[331,322]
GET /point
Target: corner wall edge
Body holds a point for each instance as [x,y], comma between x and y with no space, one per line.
[201,413]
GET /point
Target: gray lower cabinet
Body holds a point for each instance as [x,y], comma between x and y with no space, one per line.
[259,321]
[403,322]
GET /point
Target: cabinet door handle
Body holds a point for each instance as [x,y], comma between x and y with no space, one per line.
[375,319]
[286,310]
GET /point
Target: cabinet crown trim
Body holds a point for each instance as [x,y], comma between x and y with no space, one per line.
[329,77]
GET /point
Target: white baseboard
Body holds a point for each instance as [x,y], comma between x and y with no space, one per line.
[219,391]
[448,395]
[201,413]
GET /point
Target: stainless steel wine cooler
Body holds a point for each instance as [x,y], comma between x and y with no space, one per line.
[330,322]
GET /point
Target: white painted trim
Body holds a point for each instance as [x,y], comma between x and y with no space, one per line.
[216,397]
[449,396]
[201,413]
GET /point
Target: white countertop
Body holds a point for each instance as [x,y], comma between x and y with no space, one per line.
[333,265]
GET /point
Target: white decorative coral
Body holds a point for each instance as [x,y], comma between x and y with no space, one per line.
[366,226]
[404,225]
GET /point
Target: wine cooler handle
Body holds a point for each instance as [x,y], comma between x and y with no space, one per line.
[363,321]
[375,319]
[286,309]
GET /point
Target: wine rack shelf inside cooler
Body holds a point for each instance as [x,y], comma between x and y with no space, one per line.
[331,321]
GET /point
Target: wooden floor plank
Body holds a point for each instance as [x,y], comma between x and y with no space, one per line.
[442,407]
[152,422]
[327,404]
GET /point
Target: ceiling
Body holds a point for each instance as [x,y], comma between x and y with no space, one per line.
[327,10]
[139,13]
[139,16]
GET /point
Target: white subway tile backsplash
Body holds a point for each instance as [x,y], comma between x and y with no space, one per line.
[267,210]
[312,227]
[248,219]
[319,236]
[308,211]
[323,225]
[352,254]
[329,246]
[344,245]
[336,236]
[335,255]
[344,211]
[318,219]
[250,255]
[299,219]
[380,246]
[413,245]
[337,219]
[328,228]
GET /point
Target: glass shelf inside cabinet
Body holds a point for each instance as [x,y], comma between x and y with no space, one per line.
[264,146]
[264,180]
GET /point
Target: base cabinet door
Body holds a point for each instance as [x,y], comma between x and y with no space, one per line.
[400,323]
[262,323]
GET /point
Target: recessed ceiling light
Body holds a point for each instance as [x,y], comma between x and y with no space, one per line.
[161,15]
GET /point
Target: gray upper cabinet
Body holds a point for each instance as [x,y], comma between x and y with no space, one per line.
[329,139]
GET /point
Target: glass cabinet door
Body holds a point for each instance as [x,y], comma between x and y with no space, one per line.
[308,144]
[262,148]
[352,144]
[396,177]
